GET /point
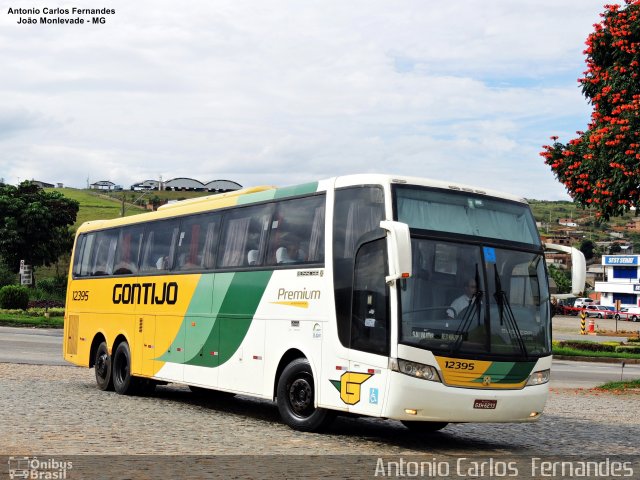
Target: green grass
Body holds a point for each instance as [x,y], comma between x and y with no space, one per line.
[94,206]
[572,352]
[625,385]
[19,320]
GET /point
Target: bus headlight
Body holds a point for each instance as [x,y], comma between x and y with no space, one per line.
[538,378]
[413,369]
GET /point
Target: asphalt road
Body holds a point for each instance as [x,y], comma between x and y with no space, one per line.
[44,347]
[36,346]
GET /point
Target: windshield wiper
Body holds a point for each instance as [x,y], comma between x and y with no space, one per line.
[504,307]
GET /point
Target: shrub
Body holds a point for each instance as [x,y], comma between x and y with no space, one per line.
[39,312]
[53,286]
[7,277]
[14,296]
[628,349]
[45,304]
[587,346]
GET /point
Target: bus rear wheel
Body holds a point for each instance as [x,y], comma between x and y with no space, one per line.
[102,367]
[296,399]
[424,427]
[123,382]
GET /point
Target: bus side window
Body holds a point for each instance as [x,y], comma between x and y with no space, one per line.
[297,233]
[197,241]
[158,246]
[128,250]
[83,255]
[103,253]
[244,230]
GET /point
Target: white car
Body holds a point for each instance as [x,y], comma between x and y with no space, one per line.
[583,302]
[632,313]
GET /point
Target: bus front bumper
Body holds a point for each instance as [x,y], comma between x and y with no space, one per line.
[415,399]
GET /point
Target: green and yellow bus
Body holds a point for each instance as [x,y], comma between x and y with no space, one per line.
[343,295]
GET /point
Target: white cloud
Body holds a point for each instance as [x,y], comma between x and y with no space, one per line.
[282,92]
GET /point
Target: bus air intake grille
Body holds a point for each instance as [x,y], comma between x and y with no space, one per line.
[72,335]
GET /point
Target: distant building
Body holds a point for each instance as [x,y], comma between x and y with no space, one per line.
[634,225]
[103,185]
[188,184]
[146,185]
[558,240]
[622,280]
[567,222]
[185,184]
[222,186]
[42,184]
[595,273]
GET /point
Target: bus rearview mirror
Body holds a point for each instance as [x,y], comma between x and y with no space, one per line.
[399,245]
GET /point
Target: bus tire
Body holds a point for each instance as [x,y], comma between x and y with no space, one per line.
[102,367]
[296,397]
[424,427]
[123,382]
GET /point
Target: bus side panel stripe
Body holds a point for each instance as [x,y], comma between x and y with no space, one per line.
[238,309]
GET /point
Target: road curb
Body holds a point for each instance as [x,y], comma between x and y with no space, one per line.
[577,358]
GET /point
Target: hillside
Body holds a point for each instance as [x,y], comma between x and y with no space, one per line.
[99,206]
[94,206]
[549,212]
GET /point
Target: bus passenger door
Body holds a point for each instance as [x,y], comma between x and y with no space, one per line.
[145,344]
[365,387]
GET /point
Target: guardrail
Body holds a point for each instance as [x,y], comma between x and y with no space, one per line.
[568,310]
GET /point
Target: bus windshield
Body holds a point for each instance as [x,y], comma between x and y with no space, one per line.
[467,296]
[470,299]
[466,214]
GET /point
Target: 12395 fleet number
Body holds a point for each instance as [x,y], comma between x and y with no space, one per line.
[81,295]
[452,365]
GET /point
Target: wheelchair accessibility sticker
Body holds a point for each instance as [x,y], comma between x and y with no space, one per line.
[373,396]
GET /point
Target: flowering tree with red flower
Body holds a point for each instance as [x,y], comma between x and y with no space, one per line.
[601,167]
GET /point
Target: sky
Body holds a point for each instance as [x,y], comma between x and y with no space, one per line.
[284,92]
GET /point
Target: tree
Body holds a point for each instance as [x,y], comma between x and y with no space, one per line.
[587,247]
[601,167]
[34,225]
[562,279]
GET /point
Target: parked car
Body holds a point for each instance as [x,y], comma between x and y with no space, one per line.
[629,313]
[583,302]
[598,311]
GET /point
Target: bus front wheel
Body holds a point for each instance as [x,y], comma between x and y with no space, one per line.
[102,367]
[296,398]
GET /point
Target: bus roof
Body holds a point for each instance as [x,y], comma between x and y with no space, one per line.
[263,193]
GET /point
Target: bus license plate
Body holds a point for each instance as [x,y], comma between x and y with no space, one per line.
[485,404]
